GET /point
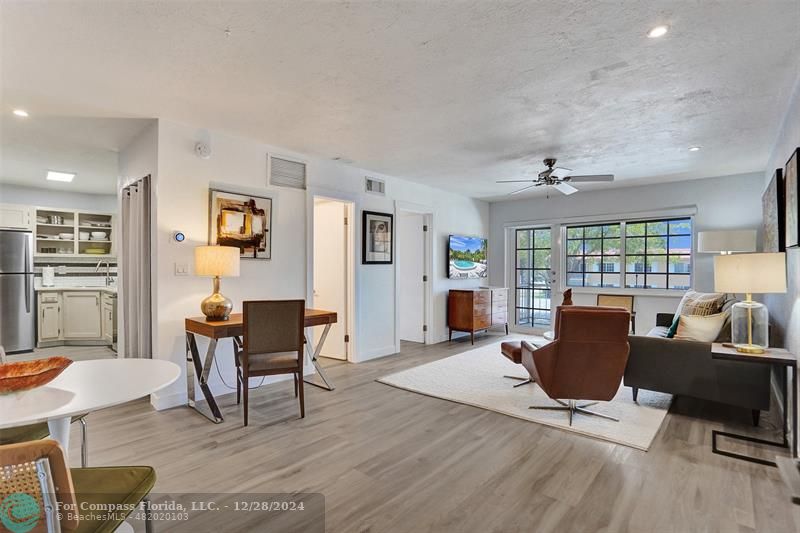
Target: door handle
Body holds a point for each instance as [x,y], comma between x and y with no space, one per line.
[27,276]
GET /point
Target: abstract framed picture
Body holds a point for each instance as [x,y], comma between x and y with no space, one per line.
[773,210]
[377,238]
[790,179]
[241,220]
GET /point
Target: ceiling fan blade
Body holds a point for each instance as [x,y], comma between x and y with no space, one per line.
[596,177]
[522,189]
[516,181]
[565,189]
[560,172]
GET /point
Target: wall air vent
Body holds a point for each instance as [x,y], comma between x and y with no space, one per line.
[374,186]
[285,172]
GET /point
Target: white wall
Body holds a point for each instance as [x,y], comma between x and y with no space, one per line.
[410,269]
[238,163]
[784,309]
[18,194]
[722,203]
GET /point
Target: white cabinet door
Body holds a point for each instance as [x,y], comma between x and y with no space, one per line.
[81,317]
[49,322]
[108,321]
[15,216]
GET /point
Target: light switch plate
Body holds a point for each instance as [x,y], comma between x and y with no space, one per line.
[181,269]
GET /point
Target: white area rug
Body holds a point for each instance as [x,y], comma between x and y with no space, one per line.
[476,378]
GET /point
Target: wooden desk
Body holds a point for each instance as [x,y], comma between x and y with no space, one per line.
[777,357]
[233,328]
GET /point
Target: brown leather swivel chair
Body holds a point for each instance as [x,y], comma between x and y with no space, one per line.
[585,361]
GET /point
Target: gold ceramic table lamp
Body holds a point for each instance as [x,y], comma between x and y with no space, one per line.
[216,261]
[748,274]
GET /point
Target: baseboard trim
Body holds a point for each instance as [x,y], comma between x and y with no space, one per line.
[374,354]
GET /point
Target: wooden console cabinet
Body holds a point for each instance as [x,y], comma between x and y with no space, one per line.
[472,310]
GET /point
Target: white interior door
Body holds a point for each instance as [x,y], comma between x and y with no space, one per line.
[330,272]
[411,269]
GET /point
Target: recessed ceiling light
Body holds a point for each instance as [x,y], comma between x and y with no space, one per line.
[658,31]
[20,112]
[694,148]
[52,175]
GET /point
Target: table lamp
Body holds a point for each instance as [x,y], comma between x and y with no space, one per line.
[216,261]
[748,274]
[726,241]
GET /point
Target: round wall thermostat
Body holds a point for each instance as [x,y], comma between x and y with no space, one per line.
[178,236]
[202,150]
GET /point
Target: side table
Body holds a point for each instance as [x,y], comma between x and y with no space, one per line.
[777,357]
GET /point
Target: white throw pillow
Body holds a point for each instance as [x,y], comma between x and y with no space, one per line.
[700,328]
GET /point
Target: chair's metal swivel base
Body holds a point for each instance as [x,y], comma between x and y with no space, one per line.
[572,407]
[522,381]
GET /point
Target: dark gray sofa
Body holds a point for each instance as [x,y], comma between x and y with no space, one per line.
[685,368]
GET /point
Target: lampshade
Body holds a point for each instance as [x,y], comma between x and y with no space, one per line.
[726,241]
[750,273]
[216,261]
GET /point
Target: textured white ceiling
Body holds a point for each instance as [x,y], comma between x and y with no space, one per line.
[88,147]
[455,94]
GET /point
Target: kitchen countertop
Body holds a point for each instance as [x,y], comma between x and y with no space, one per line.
[101,288]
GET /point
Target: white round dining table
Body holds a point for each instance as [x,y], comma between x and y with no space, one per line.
[83,387]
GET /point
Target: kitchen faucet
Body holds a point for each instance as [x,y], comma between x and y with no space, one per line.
[108,271]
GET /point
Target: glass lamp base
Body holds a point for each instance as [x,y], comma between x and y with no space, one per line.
[750,327]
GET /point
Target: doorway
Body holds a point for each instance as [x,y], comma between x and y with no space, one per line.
[332,278]
[535,277]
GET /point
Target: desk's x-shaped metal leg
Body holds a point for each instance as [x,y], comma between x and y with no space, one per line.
[314,353]
[194,367]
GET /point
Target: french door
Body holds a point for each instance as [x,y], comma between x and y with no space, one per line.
[535,277]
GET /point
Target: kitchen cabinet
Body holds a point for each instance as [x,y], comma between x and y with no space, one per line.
[77,317]
[49,317]
[109,311]
[15,216]
[81,318]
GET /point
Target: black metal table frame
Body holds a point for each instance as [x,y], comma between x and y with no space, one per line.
[784,444]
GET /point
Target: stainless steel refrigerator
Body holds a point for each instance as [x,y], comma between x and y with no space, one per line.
[17,307]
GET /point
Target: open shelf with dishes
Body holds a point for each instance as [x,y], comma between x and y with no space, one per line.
[73,233]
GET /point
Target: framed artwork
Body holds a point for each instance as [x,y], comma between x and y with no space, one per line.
[241,220]
[790,178]
[377,238]
[773,209]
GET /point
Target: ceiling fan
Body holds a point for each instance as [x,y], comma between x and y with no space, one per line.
[558,178]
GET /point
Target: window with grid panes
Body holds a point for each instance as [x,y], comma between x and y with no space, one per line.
[593,255]
[658,254]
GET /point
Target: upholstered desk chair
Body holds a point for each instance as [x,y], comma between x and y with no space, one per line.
[585,361]
[273,344]
[37,472]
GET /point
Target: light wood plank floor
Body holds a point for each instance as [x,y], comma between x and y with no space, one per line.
[389,460]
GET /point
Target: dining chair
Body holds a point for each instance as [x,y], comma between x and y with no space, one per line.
[272,344]
[35,476]
[41,431]
[619,300]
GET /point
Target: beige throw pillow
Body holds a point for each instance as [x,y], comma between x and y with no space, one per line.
[700,303]
[700,328]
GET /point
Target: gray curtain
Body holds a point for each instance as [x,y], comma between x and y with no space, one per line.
[135,283]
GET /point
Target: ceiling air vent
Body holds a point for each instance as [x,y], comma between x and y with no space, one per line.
[287,173]
[375,186]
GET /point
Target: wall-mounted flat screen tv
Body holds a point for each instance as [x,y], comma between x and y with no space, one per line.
[466,257]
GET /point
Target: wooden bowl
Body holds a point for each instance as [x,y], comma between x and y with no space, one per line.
[26,375]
